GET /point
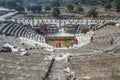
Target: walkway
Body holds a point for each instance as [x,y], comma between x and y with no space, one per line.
[60,23]
[58,71]
[11,13]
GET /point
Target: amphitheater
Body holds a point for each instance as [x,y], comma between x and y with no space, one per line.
[32,58]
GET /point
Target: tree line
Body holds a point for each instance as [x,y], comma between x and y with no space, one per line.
[54,5]
[18,4]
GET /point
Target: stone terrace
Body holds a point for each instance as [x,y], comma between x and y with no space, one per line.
[96,67]
[16,67]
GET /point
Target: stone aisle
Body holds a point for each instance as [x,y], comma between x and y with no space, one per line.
[59,71]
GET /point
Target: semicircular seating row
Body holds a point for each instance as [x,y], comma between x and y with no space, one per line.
[18,30]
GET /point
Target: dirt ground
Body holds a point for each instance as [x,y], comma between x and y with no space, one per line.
[65,43]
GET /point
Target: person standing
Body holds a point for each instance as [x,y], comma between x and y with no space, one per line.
[71,44]
[76,41]
[59,44]
[91,39]
[111,41]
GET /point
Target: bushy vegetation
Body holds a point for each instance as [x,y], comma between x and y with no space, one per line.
[69,7]
[55,12]
[47,8]
[118,5]
[93,2]
[72,6]
[54,3]
[78,9]
[34,8]
[92,13]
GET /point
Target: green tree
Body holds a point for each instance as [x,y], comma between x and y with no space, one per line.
[11,3]
[19,8]
[28,7]
[118,5]
[2,3]
[92,12]
[95,2]
[54,3]
[76,2]
[20,2]
[69,7]
[92,2]
[55,12]
[83,1]
[108,5]
[35,8]
[78,9]
[47,8]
